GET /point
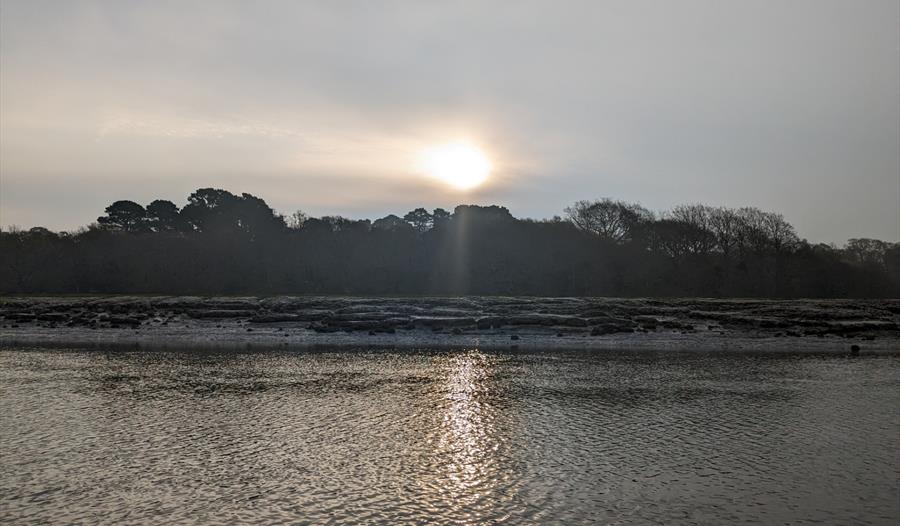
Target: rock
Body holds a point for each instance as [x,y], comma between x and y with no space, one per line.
[355,316]
[53,316]
[490,322]
[21,316]
[123,320]
[321,327]
[363,325]
[276,318]
[611,320]
[600,330]
[220,313]
[530,319]
[445,322]
[677,325]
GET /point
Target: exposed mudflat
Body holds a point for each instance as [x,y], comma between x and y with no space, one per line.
[703,324]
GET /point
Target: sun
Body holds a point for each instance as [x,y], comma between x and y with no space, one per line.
[459,164]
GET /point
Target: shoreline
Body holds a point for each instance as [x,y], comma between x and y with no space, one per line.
[465,322]
[238,341]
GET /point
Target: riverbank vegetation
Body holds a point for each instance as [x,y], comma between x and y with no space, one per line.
[223,243]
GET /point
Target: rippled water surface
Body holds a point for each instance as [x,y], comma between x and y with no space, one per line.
[118,437]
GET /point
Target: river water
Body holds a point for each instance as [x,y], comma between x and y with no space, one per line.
[452,437]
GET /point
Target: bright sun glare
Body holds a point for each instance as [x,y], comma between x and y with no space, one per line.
[458,163]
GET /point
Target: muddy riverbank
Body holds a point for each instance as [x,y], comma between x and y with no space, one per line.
[451,322]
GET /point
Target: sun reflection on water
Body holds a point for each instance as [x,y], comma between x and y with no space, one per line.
[468,444]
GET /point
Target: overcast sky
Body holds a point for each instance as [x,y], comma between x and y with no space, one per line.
[791,106]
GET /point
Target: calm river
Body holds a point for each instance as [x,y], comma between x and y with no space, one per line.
[467,437]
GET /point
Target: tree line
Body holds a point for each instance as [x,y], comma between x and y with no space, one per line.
[223,243]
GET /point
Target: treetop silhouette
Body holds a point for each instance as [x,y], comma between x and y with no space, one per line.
[223,243]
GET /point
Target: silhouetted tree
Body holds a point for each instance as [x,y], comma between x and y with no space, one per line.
[612,220]
[340,223]
[297,219]
[222,243]
[420,219]
[780,234]
[392,222]
[892,263]
[725,225]
[125,215]
[209,209]
[674,238]
[482,214]
[212,210]
[696,233]
[866,251]
[440,217]
[164,216]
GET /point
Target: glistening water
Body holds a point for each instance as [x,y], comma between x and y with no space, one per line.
[450,437]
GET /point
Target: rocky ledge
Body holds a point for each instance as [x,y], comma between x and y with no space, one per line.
[548,322]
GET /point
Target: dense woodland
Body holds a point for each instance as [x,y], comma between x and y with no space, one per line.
[221,243]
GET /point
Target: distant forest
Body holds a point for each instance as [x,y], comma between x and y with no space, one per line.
[222,243]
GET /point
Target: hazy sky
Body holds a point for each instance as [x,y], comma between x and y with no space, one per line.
[791,106]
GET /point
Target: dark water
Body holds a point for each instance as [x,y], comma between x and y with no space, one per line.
[448,437]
